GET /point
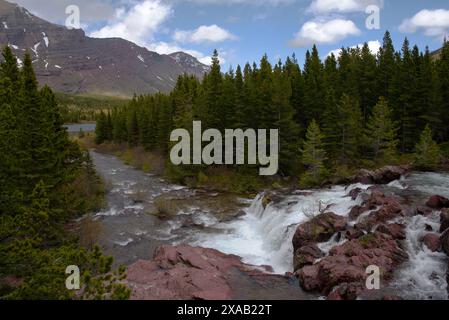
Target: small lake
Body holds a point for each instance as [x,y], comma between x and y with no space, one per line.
[75,128]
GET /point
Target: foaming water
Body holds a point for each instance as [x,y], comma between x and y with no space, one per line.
[424,275]
[264,235]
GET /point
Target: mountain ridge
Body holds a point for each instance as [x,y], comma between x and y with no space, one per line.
[71,62]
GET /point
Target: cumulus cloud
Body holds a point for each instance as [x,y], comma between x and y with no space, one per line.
[374,47]
[341,6]
[432,23]
[202,34]
[137,24]
[324,32]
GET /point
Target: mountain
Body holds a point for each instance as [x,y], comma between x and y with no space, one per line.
[71,62]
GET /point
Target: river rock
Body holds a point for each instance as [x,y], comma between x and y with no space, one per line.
[352,233]
[354,193]
[444,240]
[346,264]
[187,273]
[306,255]
[424,211]
[395,230]
[444,219]
[438,202]
[319,229]
[355,212]
[431,241]
[390,208]
[383,175]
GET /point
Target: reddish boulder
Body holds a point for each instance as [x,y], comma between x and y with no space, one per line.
[383,175]
[444,219]
[353,233]
[389,210]
[437,202]
[306,255]
[354,193]
[432,241]
[319,229]
[355,212]
[347,264]
[424,211]
[444,240]
[395,230]
[186,273]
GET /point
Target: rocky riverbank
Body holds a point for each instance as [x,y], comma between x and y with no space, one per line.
[372,235]
[317,243]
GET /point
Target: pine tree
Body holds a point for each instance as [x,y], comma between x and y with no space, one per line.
[443,73]
[427,156]
[343,127]
[314,91]
[313,156]
[212,90]
[367,81]
[101,134]
[386,66]
[381,133]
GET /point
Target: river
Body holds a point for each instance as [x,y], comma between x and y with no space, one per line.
[261,236]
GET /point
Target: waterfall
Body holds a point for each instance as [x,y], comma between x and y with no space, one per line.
[264,235]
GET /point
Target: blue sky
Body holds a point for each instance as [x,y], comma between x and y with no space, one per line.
[243,30]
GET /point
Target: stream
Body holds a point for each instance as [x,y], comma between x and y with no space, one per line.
[260,236]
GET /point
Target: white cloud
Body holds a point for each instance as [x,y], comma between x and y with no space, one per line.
[341,6]
[212,33]
[433,23]
[374,47]
[327,32]
[138,24]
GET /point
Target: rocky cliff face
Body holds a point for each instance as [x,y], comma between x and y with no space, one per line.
[69,61]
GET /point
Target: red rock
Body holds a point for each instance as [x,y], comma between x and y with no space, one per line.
[424,211]
[353,233]
[395,230]
[354,193]
[306,255]
[345,291]
[308,278]
[444,240]
[355,212]
[432,241]
[186,273]
[437,202]
[383,175]
[444,219]
[319,229]
[347,264]
[390,209]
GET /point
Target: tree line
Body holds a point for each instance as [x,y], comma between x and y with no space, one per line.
[367,107]
[46,180]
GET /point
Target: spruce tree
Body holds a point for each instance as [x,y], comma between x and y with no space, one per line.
[381,132]
[427,152]
[313,156]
